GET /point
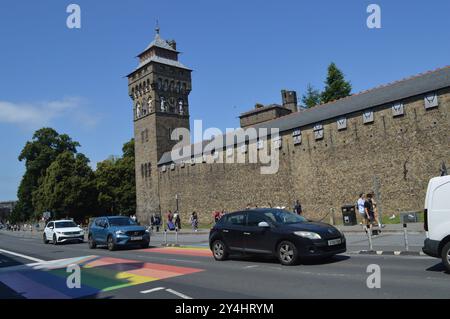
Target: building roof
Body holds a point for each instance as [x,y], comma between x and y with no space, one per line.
[160,43]
[261,109]
[389,93]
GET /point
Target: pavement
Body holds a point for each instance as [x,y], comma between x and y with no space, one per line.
[31,269]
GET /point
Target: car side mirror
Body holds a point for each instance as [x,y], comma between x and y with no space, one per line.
[263,225]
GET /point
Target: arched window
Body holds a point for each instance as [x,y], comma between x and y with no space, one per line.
[163,104]
[150,105]
[138,110]
[180,106]
[178,87]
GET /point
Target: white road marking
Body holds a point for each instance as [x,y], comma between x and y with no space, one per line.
[152,290]
[22,256]
[179,294]
[248,267]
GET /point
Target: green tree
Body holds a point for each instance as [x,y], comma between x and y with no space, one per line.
[335,85]
[68,188]
[116,182]
[38,155]
[311,98]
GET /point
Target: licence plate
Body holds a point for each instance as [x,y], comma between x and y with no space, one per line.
[136,238]
[335,242]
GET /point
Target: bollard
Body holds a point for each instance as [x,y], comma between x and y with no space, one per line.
[176,236]
[165,236]
[369,234]
[405,231]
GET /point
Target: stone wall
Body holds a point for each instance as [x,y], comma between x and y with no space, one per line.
[401,153]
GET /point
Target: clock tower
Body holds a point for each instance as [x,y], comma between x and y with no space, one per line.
[159,88]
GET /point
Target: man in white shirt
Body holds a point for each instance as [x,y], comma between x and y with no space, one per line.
[361,210]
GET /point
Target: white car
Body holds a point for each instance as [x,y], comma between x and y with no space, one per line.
[61,231]
[437,219]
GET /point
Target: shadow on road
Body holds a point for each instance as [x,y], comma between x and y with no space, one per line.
[439,267]
[274,260]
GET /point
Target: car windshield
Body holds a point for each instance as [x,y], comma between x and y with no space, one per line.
[65,224]
[125,221]
[284,217]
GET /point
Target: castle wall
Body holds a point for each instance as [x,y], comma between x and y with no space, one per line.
[401,153]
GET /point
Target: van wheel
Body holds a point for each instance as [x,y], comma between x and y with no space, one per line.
[287,253]
[446,256]
[111,245]
[91,242]
[220,251]
[45,239]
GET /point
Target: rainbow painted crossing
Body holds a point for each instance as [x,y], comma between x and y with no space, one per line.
[185,250]
[98,274]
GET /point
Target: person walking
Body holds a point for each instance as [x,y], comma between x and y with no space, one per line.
[375,211]
[361,209]
[368,209]
[298,208]
[177,220]
[194,221]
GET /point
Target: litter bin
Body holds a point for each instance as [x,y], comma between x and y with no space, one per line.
[349,215]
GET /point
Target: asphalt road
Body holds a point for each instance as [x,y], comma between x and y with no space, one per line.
[31,269]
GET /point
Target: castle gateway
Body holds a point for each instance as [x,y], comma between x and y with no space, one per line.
[391,139]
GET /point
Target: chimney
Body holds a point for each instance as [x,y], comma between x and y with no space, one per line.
[289,99]
[173,44]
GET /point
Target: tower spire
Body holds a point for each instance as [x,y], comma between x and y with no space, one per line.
[157,27]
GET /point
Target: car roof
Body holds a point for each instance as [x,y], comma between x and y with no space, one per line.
[62,220]
[258,210]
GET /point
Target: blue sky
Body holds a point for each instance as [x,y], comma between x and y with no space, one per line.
[242,52]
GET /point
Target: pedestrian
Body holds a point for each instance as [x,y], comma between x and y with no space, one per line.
[361,209]
[194,221]
[177,220]
[368,209]
[375,211]
[216,216]
[158,221]
[298,208]
[170,223]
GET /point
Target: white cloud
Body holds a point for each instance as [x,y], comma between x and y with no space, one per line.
[34,115]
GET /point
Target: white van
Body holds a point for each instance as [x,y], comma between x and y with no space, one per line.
[437,219]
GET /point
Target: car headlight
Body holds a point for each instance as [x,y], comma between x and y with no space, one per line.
[81,232]
[60,233]
[308,234]
[120,232]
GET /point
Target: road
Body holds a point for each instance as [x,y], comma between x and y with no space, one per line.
[31,269]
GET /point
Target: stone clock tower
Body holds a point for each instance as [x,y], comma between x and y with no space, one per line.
[159,88]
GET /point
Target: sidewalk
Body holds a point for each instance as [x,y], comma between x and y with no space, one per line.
[390,228]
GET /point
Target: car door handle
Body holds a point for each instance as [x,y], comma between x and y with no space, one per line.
[225,231]
[247,234]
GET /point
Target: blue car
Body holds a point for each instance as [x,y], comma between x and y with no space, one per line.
[117,231]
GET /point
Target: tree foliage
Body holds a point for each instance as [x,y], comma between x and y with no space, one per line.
[115,183]
[68,188]
[38,154]
[336,87]
[311,98]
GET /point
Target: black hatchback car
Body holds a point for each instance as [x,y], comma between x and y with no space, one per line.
[276,232]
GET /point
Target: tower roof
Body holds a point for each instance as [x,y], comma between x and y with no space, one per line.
[159,43]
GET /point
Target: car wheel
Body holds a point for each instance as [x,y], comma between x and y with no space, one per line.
[287,253]
[91,242]
[111,245]
[55,240]
[220,251]
[45,239]
[446,256]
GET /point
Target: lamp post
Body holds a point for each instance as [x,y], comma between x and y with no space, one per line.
[176,199]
